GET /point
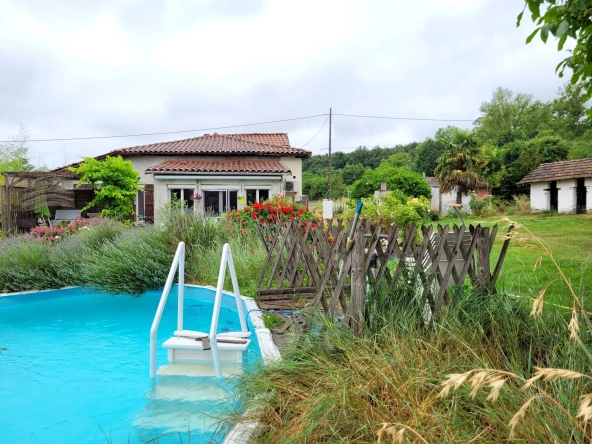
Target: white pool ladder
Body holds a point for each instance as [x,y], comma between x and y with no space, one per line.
[194,340]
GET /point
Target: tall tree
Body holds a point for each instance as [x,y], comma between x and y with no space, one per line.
[426,156]
[509,117]
[458,165]
[570,118]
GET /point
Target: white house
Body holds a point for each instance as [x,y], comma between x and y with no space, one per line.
[441,202]
[215,172]
[560,186]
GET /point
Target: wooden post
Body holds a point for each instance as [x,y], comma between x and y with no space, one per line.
[357,280]
[483,260]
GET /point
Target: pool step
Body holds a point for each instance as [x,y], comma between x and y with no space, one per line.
[195,347]
[195,370]
[182,404]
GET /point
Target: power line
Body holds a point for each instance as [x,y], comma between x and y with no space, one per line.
[66,139]
[405,118]
[315,136]
[163,133]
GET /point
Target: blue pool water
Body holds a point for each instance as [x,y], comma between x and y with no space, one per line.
[76,370]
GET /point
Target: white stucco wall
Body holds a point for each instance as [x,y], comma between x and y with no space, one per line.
[539,197]
[566,201]
[295,166]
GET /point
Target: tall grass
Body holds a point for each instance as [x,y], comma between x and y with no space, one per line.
[115,259]
[334,387]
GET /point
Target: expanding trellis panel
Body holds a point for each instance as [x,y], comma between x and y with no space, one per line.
[309,266]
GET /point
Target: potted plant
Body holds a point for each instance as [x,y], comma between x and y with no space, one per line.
[197,196]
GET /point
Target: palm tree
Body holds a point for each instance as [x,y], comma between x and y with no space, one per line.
[458,164]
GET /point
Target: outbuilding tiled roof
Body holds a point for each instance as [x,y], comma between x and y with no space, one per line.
[221,166]
[569,169]
[217,144]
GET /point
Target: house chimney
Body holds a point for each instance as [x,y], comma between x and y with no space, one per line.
[383,186]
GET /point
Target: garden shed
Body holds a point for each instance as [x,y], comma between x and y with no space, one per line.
[560,186]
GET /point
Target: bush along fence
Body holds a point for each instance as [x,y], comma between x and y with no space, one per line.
[309,265]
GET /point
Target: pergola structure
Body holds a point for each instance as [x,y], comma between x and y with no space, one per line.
[27,196]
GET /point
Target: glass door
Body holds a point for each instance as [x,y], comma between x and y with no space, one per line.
[217,202]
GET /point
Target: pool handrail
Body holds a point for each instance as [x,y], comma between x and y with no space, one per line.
[226,259]
[178,262]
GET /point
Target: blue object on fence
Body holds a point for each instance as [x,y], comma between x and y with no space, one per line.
[350,239]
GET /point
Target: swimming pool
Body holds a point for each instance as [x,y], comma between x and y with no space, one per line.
[75,369]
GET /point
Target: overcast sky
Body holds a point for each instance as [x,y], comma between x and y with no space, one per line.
[83,68]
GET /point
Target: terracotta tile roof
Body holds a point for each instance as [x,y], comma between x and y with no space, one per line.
[216,144]
[220,166]
[280,139]
[569,169]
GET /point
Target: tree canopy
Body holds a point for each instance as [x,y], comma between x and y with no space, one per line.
[410,183]
[115,183]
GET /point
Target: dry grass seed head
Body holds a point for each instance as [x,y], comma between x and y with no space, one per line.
[574,325]
[518,416]
[496,383]
[585,409]
[454,381]
[551,374]
[477,382]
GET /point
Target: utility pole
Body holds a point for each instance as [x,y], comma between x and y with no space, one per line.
[330,115]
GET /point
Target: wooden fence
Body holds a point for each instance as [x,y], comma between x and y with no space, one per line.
[307,265]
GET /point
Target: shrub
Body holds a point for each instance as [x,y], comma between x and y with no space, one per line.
[395,207]
[25,264]
[397,179]
[137,261]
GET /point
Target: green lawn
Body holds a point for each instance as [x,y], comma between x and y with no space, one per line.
[568,237]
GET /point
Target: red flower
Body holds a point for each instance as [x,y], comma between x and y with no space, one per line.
[330,240]
[291,217]
[300,213]
[314,225]
[244,232]
[254,214]
[237,215]
[247,209]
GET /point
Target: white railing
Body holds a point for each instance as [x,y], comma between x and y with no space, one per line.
[178,262]
[226,259]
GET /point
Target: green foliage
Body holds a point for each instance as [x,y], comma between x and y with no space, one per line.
[427,154]
[395,208]
[316,187]
[14,155]
[351,173]
[409,183]
[582,147]
[272,320]
[563,20]
[115,183]
[458,165]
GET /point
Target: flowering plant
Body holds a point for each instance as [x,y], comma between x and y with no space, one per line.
[197,196]
[278,208]
[51,234]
